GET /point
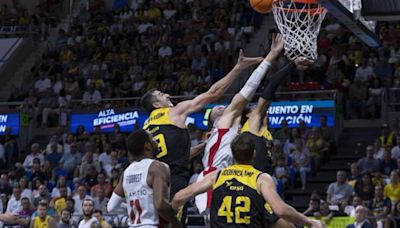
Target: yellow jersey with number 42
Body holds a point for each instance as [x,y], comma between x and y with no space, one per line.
[236,201]
[173,142]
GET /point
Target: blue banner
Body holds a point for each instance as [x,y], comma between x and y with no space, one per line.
[11,121]
[107,118]
[292,111]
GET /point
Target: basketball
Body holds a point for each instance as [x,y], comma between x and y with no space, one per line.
[261,6]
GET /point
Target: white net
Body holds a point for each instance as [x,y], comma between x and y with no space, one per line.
[299,23]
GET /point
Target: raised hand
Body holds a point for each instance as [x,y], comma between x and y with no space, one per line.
[277,44]
[244,62]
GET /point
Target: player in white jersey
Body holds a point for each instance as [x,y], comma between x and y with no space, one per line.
[144,186]
[226,122]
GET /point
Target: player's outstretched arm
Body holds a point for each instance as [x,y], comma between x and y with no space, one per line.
[239,101]
[159,181]
[268,190]
[117,197]
[194,189]
[183,109]
[267,95]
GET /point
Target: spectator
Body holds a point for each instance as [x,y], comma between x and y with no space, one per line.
[36,173]
[375,99]
[91,96]
[60,202]
[25,213]
[98,214]
[318,146]
[35,153]
[351,209]
[101,183]
[340,191]
[388,163]
[87,163]
[396,149]
[65,219]
[105,158]
[354,174]
[42,84]
[369,163]
[361,218]
[364,188]
[79,199]
[392,190]
[25,191]
[61,183]
[379,151]
[5,185]
[197,168]
[70,160]
[54,157]
[43,195]
[364,72]
[313,208]
[100,200]
[387,137]
[300,162]
[87,207]
[283,133]
[14,204]
[3,158]
[43,217]
[380,206]
[357,100]
[326,131]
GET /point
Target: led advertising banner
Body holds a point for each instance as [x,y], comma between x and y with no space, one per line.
[292,111]
[10,120]
[107,118]
[125,118]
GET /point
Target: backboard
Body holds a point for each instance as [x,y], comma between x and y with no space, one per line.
[348,12]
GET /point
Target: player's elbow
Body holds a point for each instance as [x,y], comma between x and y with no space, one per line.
[282,211]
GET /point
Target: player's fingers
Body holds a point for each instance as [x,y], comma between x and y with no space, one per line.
[241,53]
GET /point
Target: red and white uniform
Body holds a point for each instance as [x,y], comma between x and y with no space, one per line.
[217,155]
[139,196]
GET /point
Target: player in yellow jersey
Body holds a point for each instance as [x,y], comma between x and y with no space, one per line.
[240,193]
[43,220]
[257,123]
[167,122]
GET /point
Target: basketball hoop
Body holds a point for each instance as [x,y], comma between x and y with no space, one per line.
[299,22]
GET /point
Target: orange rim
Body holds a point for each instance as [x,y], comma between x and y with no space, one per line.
[298,1]
[313,11]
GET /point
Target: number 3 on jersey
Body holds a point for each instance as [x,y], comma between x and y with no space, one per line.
[162,146]
[242,205]
[135,215]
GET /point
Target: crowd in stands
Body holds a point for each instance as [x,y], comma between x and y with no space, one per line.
[373,183]
[182,48]
[17,20]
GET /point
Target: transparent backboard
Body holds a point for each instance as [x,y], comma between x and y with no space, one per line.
[354,6]
[348,12]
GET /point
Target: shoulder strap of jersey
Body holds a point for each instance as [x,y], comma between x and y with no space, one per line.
[158,117]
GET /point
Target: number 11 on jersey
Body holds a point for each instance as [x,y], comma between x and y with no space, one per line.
[135,215]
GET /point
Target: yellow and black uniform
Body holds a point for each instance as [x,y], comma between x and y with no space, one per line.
[174,147]
[263,143]
[41,223]
[236,200]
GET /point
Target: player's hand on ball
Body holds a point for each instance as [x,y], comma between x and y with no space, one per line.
[303,63]
[244,62]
